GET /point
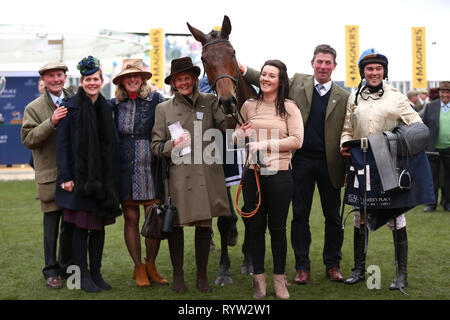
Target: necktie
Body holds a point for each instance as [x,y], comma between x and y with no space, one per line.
[319,88]
[446,107]
[58,102]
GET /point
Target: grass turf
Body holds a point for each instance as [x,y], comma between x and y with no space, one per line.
[21,259]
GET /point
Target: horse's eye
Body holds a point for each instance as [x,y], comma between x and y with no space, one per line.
[203,60]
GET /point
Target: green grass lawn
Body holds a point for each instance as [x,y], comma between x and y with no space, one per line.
[21,259]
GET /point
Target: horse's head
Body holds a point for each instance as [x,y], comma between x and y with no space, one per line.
[219,62]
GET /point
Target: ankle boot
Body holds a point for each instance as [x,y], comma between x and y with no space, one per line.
[140,275]
[401,255]
[259,286]
[280,286]
[153,273]
[202,244]
[80,237]
[96,243]
[176,249]
[359,271]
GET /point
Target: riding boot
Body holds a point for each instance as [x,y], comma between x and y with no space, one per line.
[176,249]
[401,257]
[358,272]
[96,244]
[202,241]
[80,244]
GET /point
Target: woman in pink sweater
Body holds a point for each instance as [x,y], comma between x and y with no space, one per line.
[274,126]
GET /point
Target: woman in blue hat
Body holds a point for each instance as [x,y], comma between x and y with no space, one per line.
[87,184]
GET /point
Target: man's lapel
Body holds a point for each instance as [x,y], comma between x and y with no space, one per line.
[334,98]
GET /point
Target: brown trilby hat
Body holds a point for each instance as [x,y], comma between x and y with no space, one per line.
[445,85]
[132,66]
[53,65]
[181,65]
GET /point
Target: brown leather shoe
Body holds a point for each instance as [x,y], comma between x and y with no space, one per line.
[334,274]
[54,282]
[302,276]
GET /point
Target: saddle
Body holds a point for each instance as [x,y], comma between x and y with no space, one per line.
[404,141]
[383,182]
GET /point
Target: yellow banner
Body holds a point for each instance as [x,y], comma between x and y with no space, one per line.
[419,64]
[352,78]
[157,57]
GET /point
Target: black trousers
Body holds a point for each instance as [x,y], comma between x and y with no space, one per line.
[435,161]
[276,192]
[306,173]
[52,227]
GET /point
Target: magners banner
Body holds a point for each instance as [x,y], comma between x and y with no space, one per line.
[352,78]
[419,58]
[156,57]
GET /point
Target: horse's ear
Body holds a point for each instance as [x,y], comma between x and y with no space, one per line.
[226,28]
[198,35]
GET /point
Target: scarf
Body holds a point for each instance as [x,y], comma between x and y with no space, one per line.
[95,153]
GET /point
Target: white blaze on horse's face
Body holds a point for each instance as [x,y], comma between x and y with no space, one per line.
[269,80]
[184,82]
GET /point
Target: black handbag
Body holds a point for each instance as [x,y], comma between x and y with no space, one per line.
[153,224]
[159,219]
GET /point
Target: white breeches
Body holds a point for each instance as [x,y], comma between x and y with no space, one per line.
[400,223]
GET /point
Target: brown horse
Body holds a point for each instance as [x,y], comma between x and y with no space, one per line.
[224,76]
[221,66]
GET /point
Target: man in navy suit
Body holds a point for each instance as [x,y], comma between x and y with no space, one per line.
[437,118]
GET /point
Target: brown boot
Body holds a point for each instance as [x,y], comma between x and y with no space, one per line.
[140,275]
[280,286]
[153,273]
[176,250]
[259,286]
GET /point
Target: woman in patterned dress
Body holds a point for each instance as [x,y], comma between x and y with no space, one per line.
[135,105]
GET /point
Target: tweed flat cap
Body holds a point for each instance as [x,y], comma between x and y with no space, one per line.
[53,65]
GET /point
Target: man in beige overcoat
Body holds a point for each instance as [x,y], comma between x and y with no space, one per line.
[38,133]
[322,105]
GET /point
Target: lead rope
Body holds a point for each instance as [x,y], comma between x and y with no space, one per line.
[238,192]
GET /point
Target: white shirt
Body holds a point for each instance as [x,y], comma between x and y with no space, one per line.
[445,107]
[56,98]
[326,87]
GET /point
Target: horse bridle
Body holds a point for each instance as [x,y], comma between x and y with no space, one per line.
[226,75]
[247,162]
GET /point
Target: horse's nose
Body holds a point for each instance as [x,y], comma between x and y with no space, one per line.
[228,103]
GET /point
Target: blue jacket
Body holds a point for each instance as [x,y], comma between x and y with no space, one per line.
[65,156]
